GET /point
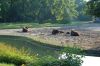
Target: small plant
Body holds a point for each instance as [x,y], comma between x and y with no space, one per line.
[71,60]
[73,50]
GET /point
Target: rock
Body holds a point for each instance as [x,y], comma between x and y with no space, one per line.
[74,33]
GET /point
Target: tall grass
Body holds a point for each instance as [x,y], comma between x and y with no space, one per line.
[4,64]
[32,46]
[10,54]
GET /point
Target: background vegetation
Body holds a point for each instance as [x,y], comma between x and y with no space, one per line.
[93,8]
[42,11]
[29,10]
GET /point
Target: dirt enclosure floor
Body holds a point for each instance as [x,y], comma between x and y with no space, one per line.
[87,39]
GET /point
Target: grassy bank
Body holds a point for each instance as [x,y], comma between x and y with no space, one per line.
[9,54]
[13,25]
[21,57]
[30,45]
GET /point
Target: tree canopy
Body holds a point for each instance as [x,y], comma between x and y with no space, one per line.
[38,10]
[93,8]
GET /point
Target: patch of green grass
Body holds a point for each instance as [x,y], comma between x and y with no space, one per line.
[35,25]
[12,51]
[34,45]
[29,44]
[4,64]
[10,54]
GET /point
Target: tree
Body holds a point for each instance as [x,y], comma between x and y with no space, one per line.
[93,8]
[37,10]
[58,9]
[4,6]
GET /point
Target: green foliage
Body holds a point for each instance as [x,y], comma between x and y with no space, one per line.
[37,10]
[10,54]
[81,9]
[4,64]
[72,60]
[73,50]
[93,8]
[45,61]
[34,47]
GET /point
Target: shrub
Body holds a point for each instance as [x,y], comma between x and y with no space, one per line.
[71,60]
[10,54]
[73,50]
[47,60]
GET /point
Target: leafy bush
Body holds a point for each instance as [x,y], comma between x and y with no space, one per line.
[10,54]
[46,60]
[71,60]
[73,50]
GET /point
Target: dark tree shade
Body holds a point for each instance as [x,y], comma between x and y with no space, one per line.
[93,8]
[37,10]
